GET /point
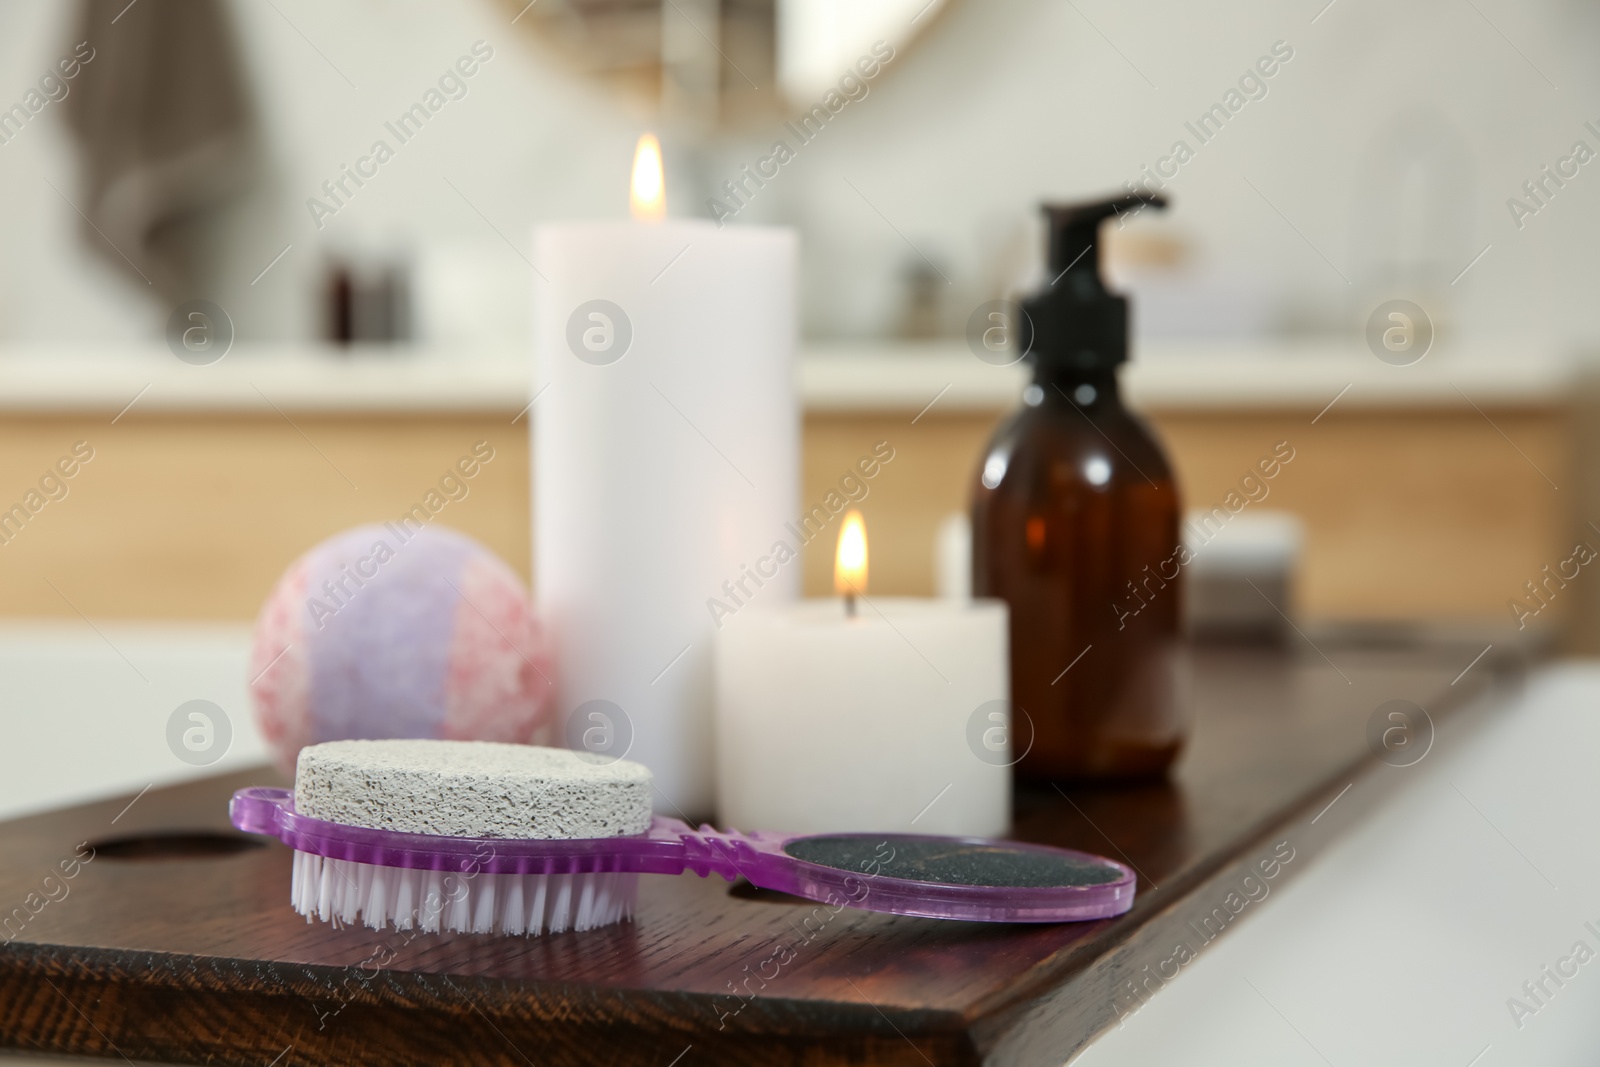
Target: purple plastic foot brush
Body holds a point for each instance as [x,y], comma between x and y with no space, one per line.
[515,839]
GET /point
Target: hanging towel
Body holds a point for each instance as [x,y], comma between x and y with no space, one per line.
[164,134]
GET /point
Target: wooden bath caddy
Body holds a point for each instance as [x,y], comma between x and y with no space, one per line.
[177,942]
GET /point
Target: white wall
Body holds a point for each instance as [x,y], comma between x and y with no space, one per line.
[1012,101]
[525,143]
[1004,103]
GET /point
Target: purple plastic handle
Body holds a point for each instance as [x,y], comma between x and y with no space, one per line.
[671,846]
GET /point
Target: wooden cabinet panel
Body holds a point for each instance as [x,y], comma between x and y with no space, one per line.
[1410,513]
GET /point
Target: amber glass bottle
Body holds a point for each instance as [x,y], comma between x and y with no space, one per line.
[1075,525]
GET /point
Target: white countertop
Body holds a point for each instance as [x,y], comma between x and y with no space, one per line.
[1193,375]
[833,377]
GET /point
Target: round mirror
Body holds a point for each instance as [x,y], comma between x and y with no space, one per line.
[719,62]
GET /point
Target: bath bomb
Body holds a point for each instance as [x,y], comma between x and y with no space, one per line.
[399,631]
[472,789]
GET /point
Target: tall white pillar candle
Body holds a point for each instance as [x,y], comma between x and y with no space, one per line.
[666,460]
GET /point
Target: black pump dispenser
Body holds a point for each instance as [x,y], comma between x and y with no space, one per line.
[1075,325]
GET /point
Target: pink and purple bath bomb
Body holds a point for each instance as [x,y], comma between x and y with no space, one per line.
[391,631]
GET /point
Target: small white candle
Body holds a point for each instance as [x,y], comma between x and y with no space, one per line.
[879,720]
[666,456]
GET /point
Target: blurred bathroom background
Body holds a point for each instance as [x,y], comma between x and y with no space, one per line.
[363,314]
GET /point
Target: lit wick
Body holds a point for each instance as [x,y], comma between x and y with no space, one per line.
[850,561]
[647,195]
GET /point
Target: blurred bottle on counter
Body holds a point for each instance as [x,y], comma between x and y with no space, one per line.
[923,310]
[367,299]
[1075,517]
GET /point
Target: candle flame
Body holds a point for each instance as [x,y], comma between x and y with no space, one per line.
[647,197]
[850,561]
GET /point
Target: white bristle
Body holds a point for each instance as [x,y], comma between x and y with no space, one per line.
[473,790]
[345,892]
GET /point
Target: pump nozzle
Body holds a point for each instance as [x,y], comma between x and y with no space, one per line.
[1075,320]
[1075,229]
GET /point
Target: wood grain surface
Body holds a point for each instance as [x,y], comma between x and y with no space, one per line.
[157,951]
